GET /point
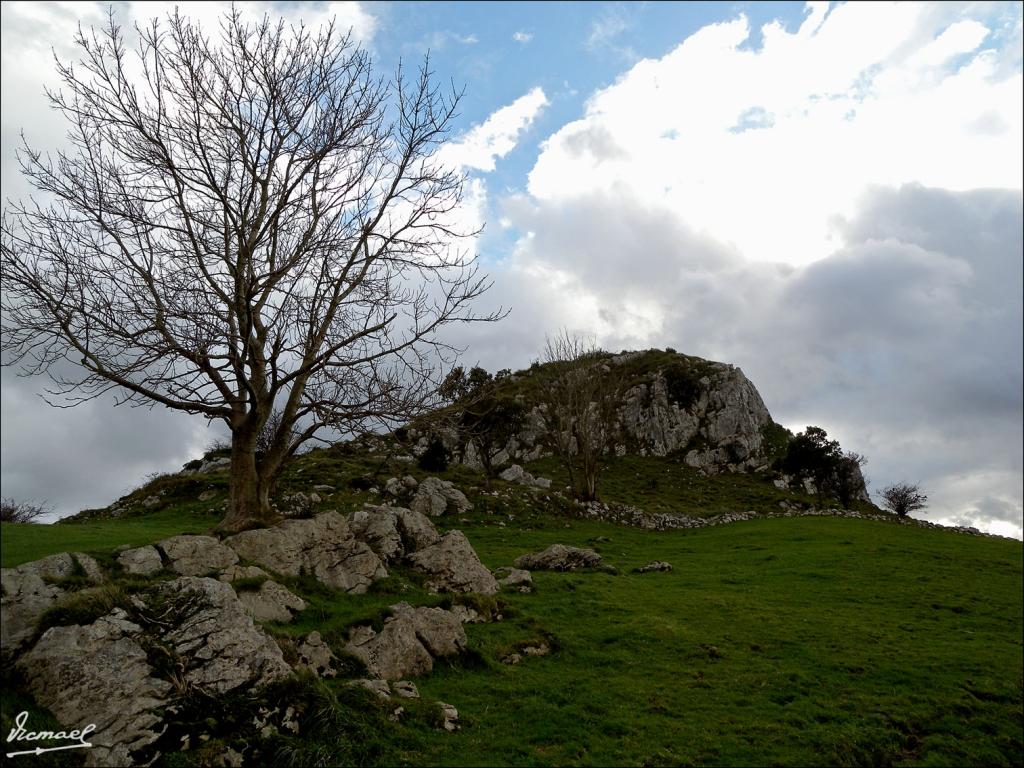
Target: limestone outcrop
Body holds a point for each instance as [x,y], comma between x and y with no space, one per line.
[323,546]
[33,588]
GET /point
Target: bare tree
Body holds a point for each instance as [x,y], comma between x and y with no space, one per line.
[252,220]
[903,498]
[580,393]
[12,511]
[482,414]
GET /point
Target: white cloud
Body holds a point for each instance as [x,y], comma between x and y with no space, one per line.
[872,93]
[497,135]
[522,37]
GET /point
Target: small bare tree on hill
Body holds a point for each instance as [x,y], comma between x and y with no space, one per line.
[580,393]
[254,223]
[903,498]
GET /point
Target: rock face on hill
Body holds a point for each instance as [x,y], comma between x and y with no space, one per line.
[709,413]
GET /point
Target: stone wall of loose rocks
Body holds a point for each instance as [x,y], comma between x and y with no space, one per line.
[623,514]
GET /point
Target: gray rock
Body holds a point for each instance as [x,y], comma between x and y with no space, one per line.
[516,474]
[316,656]
[450,714]
[392,532]
[31,589]
[207,495]
[323,546]
[393,653]
[405,689]
[271,602]
[656,565]
[226,648]
[408,642]
[559,557]
[196,555]
[541,649]
[439,630]
[378,528]
[99,674]
[435,497]
[141,561]
[453,566]
[515,578]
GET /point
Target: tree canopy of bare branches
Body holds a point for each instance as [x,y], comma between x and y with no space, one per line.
[580,396]
[903,498]
[248,220]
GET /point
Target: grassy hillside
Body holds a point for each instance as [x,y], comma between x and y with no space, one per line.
[787,641]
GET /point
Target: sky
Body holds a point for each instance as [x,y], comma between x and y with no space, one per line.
[826,195]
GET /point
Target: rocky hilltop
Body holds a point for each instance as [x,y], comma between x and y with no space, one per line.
[707,414]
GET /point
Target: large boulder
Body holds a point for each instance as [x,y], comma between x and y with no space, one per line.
[140,561]
[559,557]
[101,673]
[323,546]
[269,601]
[435,497]
[453,566]
[31,589]
[196,555]
[392,532]
[408,642]
[216,634]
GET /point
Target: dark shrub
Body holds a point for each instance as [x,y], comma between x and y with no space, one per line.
[435,458]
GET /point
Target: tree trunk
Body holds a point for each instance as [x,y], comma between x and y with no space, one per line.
[249,502]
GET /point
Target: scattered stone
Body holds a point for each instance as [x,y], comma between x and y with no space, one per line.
[559,557]
[468,615]
[151,501]
[542,649]
[323,546]
[435,497]
[33,588]
[405,689]
[515,578]
[453,566]
[207,495]
[209,466]
[450,714]
[196,555]
[316,656]
[512,658]
[323,488]
[656,565]
[516,474]
[140,561]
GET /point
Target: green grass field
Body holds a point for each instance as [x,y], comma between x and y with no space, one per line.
[803,641]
